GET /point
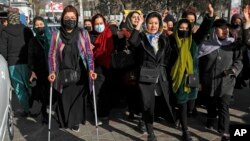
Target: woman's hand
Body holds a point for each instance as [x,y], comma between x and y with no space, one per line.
[92,46]
[52,77]
[246,13]
[141,20]
[210,10]
[92,75]
[33,76]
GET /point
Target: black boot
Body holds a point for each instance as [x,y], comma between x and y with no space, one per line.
[210,124]
[225,137]
[186,136]
[152,137]
[141,126]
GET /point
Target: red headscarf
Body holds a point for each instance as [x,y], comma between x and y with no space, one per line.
[104,46]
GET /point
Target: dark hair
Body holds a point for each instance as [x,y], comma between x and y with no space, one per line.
[181,21]
[67,9]
[152,15]
[3,20]
[37,18]
[98,16]
[87,20]
[155,15]
[220,23]
[189,11]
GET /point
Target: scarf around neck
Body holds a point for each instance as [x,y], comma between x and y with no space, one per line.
[153,40]
[211,45]
[183,64]
[103,47]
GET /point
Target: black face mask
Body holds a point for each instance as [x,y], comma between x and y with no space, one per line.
[183,33]
[235,26]
[88,28]
[69,24]
[192,24]
[39,30]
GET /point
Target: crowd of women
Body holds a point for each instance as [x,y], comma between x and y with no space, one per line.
[159,65]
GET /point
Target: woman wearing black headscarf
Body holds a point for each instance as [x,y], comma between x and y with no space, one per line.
[70,54]
[38,64]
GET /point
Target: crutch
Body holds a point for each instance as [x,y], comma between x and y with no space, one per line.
[95,110]
[50,109]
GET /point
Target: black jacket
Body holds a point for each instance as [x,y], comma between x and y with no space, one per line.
[14,44]
[146,58]
[37,61]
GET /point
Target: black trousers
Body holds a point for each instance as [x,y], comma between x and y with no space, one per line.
[182,113]
[102,91]
[219,106]
[150,102]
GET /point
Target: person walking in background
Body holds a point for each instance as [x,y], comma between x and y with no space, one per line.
[103,45]
[87,25]
[14,48]
[221,62]
[38,64]
[236,31]
[153,56]
[130,73]
[185,65]
[246,38]
[70,55]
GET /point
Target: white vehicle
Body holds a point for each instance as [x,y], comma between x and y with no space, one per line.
[6,115]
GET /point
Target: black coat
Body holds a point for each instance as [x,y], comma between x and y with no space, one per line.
[212,67]
[14,44]
[146,58]
[37,61]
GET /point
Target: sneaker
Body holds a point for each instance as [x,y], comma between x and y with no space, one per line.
[210,124]
[152,137]
[186,136]
[76,128]
[225,137]
[141,126]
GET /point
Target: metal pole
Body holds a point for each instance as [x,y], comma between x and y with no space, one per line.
[95,110]
[50,109]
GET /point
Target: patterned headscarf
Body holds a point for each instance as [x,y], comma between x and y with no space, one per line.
[13,18]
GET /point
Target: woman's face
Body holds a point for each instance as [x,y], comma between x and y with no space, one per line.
[170,25]
[39,23]
[191,18]
[99,21]
[165,26]
[135,19]
[70,16]
[153,25]
[184,26]
[222,32]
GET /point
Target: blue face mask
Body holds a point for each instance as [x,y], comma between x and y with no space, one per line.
[99,28]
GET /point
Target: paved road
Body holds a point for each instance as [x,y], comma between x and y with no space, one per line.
[120,129]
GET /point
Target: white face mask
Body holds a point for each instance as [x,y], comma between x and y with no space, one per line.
[99,28]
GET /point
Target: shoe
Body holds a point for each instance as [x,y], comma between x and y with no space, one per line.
[210,124]
[99,122]
[141,126]
[225,138]
[177,123]
[193,113]
[131,117]
[152,137]
[186,136]
[76,128]
[45,119]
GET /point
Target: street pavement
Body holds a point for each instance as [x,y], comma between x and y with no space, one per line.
[118,128]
